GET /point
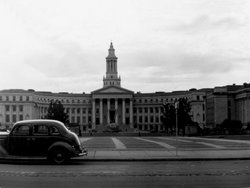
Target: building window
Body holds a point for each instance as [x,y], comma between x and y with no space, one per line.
[152,119]
[14,118]
[84,119]
[1,98]
[140,110]
[14,98]
[27,98]
[7,118]
[20,117]
[156,110]
[134,110]
[84,110]
[7,98]
[140,119]
[78,110]
[146,110]
[14,108]
[73,110]
[151,110]
[7,108]
[72,119]
[20,108]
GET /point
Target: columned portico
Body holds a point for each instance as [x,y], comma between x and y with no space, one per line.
[108,109]
[123,111]
[112,111]
[101,110]
[116,111]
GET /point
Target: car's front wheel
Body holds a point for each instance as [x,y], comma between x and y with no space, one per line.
[58,156]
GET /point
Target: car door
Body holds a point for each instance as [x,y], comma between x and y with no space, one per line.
[20,140]
[40,139]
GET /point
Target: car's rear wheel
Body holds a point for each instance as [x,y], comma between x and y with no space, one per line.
[58,156]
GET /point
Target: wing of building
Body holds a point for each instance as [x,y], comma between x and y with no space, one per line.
[113,105]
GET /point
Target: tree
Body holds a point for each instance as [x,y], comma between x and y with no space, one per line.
[184,118]
[168,117]
[56,111]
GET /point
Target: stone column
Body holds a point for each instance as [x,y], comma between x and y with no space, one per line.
[131,113]
[116,111]
[108,111]
[101,111]
[93,114]
[143,118]
[123,111]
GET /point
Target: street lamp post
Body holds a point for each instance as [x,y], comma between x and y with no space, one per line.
[176,105]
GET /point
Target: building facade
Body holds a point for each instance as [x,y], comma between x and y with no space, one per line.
[113,105]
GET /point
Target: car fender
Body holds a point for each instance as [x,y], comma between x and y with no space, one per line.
[63,145]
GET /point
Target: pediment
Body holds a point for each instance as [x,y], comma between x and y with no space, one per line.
[112,90]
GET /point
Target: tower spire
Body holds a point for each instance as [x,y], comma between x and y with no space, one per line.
[111,51]
[111,78]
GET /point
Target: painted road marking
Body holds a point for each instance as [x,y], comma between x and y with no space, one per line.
[159,143]
[211,145]
[85,139]
[118,143]
[223,140]
[174,139]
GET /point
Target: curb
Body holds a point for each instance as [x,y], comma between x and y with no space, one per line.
[42,160]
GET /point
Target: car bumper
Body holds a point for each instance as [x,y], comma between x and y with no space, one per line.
[83,153]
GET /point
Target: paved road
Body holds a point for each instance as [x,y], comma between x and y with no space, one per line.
[128,174]
[163,143]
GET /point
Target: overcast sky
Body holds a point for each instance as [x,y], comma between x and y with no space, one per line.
[161,45]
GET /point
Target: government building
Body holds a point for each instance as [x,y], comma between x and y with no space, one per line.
[112,105]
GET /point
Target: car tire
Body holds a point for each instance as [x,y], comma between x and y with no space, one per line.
[58,156]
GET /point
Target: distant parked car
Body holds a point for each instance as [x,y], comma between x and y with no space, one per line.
[42,137]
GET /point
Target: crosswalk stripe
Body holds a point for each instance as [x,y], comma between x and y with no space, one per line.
[174,139]
[159,143]
[118,144]
[85,139]
[211,145]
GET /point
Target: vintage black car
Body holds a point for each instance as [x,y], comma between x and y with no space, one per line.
[42,137]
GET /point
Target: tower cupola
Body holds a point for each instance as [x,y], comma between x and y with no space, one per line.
[111,78]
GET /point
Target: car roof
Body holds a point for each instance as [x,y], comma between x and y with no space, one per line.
[41,121]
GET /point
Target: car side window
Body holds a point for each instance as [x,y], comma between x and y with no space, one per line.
[54,131]
[40,130]
[22,130]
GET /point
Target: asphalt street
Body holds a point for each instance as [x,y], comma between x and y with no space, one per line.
[128,174]
[163,143]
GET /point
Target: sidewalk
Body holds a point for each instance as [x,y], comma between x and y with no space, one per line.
[170,155]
